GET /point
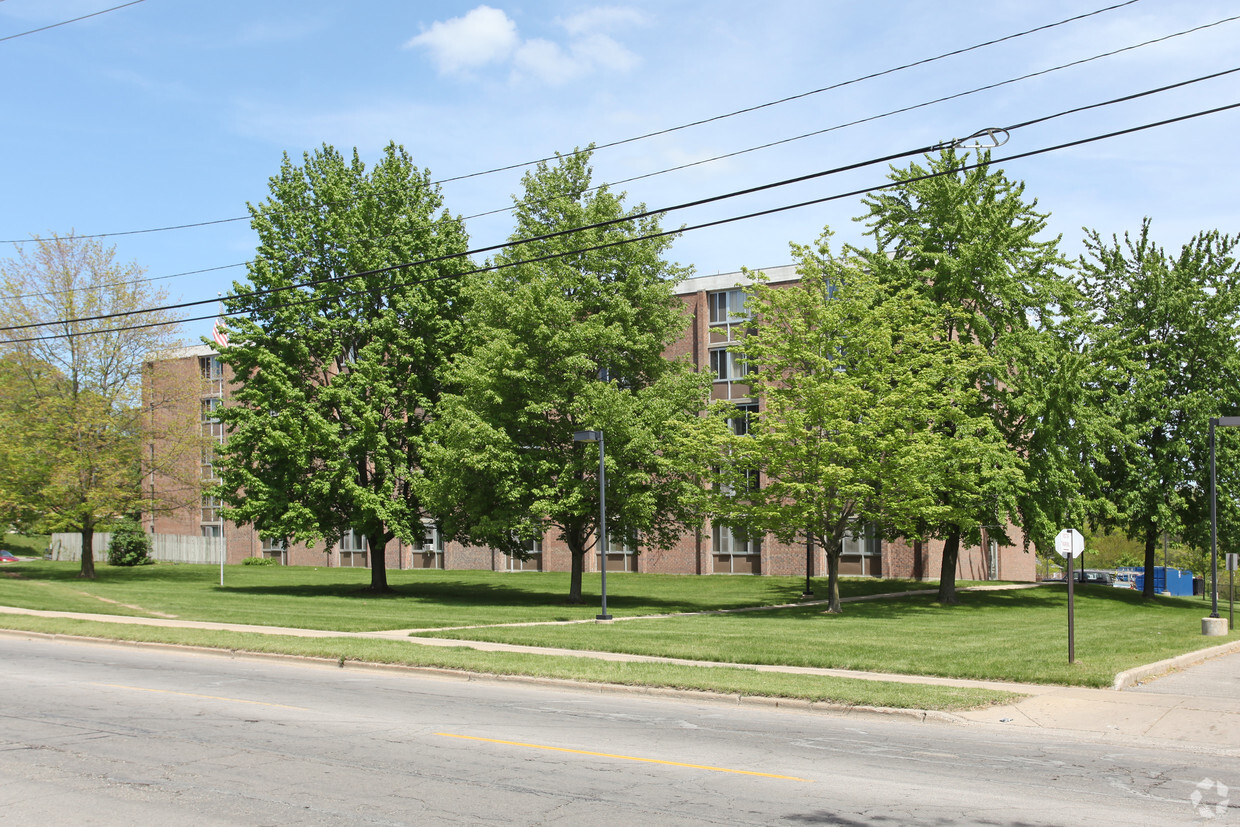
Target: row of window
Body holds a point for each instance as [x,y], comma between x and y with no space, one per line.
[212,373]
[733,551]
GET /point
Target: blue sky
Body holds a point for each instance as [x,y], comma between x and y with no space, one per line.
[171,112]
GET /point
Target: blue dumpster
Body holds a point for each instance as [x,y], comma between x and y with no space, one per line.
[1179,582]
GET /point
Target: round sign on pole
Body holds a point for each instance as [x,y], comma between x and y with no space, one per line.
[1069,543]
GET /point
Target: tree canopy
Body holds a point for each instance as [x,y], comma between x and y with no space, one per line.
[1164,336]
[964,236]
[863,405]
[338,342]
[567,334]
[74,414]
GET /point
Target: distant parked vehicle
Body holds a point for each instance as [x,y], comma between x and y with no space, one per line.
[1094,577]
[1125,580]
[7,557]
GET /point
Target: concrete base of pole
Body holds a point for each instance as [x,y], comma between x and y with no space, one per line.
[1214,626]
[807,595]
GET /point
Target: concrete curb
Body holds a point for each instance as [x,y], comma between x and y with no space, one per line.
[695,695]
[1137,674]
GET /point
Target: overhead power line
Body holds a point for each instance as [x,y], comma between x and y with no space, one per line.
[800,95]
[67,22]
[1122,99]
[668,130]
[598,225]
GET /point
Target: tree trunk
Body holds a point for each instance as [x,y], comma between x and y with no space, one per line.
[833,576]
[947,574]
[1151,537]
[578,555]
[88,552]
[378,563]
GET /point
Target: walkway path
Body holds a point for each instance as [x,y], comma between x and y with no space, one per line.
[1196,702]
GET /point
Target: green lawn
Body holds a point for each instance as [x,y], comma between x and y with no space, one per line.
[26,545]
[322,598]
[1000,635]
[726,680]
[1009,635]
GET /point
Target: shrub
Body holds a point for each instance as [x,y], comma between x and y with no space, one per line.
[259,561]
[129,546]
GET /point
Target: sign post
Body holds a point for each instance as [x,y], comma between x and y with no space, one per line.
[1070,544]
[1232,560]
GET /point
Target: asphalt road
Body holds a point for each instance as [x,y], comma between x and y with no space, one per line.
[95,734]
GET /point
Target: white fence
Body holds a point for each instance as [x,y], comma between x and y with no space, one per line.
[173,548]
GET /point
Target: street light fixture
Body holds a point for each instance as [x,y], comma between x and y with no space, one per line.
[1220,422]
[597,436]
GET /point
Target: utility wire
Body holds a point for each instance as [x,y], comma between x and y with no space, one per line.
[67,22]
[1122,99]
[507,244]
[668,130]
[800,95]
[605,245]
[913,107]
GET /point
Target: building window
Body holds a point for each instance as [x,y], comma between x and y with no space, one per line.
[862,552]
[211,509]
[621,552]
[212,428]
[353,549]
[740,421]
[735,552]
[727,365]
[216,531]
[212,372]
[429,553]
[727,306]
[533,562]
[275,549]
[207,469]
[211,367]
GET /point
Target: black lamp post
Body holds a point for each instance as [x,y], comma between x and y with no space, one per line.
[1220,422]
[597,436]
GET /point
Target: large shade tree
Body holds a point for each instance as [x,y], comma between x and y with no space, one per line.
[337,344]
[75,418]
[566,335]
[965,237]
[1164,335]
[863,406]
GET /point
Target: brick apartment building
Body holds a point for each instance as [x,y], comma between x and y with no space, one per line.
[714,305]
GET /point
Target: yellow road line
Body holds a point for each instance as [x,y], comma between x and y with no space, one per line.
[625,757]
[204,697]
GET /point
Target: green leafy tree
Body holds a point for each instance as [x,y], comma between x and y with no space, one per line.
[336,375]
[76,418]
[965,238]
[1164,337]
[503,468]
[863,406]
[129,545]
[24,469]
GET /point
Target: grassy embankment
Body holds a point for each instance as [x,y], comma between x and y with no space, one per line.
[999,635]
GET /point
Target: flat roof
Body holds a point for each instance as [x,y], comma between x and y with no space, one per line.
[727,281]
[181,353]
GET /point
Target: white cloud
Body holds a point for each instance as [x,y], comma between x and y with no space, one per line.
[606,18]
[547,62]
[484,35]
[601,50]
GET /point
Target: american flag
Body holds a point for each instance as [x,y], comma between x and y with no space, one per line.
[219,333]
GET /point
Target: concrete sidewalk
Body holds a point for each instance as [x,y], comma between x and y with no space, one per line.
[1135,707]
